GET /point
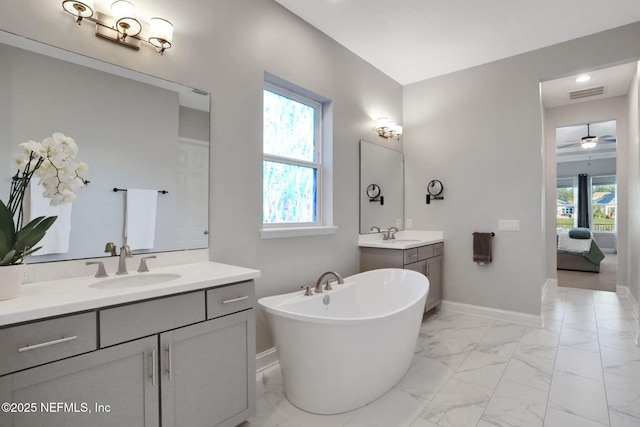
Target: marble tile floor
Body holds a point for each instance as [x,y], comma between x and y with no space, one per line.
[581,369]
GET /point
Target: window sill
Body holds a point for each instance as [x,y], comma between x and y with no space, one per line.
[280,233]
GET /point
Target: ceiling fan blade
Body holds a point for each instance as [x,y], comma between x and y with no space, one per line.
[572,144]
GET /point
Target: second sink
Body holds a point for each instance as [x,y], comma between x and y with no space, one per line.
[135,281]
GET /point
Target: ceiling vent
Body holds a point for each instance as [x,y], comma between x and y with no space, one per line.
[594,91]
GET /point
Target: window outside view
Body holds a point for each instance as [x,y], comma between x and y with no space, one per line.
[291,161]
[603,207]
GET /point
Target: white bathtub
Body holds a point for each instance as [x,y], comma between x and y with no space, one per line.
[342,355]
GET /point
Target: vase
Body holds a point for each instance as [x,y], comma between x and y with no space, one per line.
[11,280]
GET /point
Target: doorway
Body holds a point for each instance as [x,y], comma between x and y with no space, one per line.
[567,121]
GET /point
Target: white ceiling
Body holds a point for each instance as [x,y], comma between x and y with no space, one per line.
[615,80]
[412,40]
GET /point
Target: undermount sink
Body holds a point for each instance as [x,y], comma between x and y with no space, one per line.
[135,281]
[391,241]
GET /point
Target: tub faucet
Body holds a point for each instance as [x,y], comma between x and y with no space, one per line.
[389,235]
[327,286]
[125,252]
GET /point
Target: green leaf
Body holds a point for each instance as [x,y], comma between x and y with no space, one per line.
[33,232]
[8,258]
[7,230]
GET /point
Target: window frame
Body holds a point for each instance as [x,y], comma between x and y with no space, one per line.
[321,224]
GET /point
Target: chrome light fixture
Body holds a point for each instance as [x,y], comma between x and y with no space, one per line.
[122,26]
[388,128]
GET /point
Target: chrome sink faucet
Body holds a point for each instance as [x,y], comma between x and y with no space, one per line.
[327,287]
[125,252]
[389,234]
[374,228]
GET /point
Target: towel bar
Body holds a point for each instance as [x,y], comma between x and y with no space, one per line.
[115,189]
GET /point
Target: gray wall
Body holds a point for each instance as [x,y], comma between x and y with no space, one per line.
[480,131]
[224,47]
[633,243]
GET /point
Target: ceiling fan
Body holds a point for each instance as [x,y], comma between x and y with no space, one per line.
[589,141]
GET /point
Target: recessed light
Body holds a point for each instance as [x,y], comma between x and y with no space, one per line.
[584,78]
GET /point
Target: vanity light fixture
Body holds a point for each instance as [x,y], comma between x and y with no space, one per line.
[388,128]
[122,26]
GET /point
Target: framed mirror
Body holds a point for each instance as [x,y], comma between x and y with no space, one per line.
[383,170]
[132,129]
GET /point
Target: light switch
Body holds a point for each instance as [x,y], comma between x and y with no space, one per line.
[509,224]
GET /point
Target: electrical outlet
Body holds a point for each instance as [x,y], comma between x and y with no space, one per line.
[409,223]
[399,222]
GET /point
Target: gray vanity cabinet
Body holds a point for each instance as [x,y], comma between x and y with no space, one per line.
[116,386]
[206,374]
[179,360]
[425,259]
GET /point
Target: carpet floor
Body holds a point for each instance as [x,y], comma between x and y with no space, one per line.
[603,281]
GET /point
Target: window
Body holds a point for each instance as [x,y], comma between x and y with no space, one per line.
[293,170]
[565,203]
[603,203]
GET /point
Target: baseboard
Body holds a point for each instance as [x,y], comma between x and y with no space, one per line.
[549,283]
[492,313]
[266,359]
[636,310]
[632,299]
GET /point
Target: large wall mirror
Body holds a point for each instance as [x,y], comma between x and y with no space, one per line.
[133,130]
[381,187]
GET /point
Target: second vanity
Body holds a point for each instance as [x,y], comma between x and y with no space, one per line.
[421,251]
[177,353]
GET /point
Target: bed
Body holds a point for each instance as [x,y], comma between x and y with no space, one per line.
[578,251]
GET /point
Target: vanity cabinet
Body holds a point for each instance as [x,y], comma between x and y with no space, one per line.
[425,259]
[109,387]
[181,360]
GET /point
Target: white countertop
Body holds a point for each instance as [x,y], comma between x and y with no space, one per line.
[63,296]
[405,239]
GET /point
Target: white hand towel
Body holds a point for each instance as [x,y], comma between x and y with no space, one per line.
[56,241]
[140,227]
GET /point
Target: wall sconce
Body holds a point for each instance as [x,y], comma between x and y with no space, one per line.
[388,128]
[122,26]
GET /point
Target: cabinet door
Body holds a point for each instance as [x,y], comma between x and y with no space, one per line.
[420,267]
[208,372]
[117,386]
[434,273]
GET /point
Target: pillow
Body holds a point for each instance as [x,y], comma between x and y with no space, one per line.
[580,233]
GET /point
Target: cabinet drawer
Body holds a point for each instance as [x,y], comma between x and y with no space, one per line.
[410,255]
[438,249]
[128,322]
[41,342]
[425,252]
[229,299]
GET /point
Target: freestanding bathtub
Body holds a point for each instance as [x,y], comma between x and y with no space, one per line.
[341,354]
